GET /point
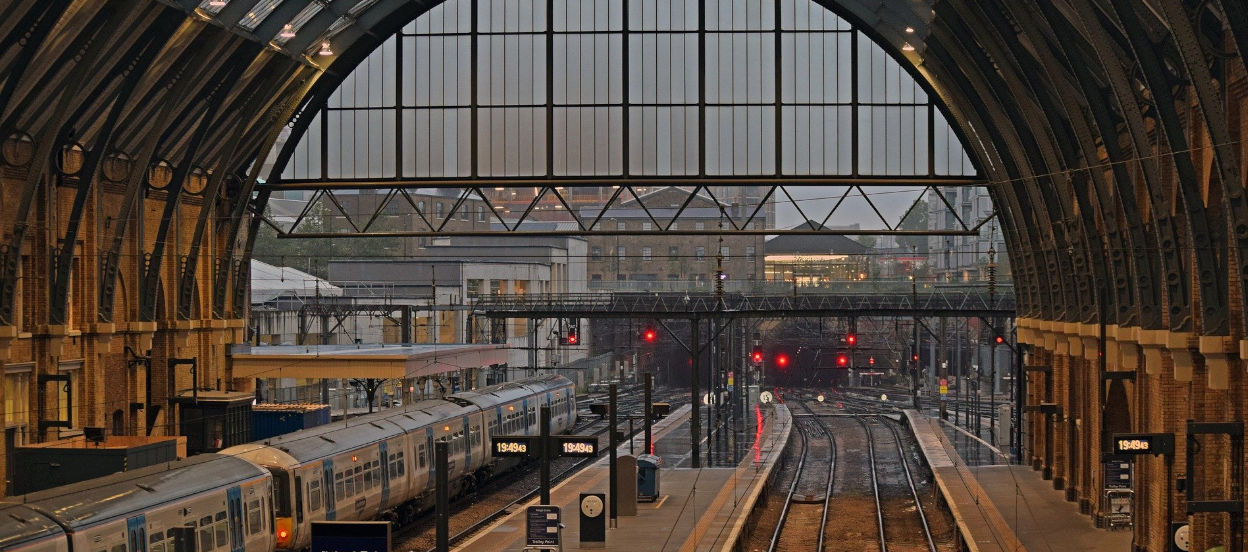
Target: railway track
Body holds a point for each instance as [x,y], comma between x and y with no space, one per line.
[806,504]
[853,465]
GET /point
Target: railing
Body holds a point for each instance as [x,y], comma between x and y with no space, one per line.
[935,301]
[771,287]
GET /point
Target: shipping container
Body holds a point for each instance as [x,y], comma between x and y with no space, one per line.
[269,420]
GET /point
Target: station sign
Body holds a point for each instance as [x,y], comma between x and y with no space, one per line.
[542,526]
[525,446]
[1144,443]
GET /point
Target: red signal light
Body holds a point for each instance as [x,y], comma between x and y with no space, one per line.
[871,361]
[782,360]
[851,339]
[572,339]
[916,358]
[648,335]
[756,356]
[842,360]
[1000,340]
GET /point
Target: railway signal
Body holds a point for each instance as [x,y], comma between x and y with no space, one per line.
[999,340]
[782,360]
[851,339]
[649,335]
[757,356]
[842,361]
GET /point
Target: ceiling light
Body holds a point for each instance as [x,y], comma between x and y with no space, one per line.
[910,30]
[907,47]
[326,51]
[216,3]
[288,31]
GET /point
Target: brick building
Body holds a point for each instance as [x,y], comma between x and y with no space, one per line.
[672,262]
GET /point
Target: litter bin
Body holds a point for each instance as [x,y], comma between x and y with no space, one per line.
[648,477]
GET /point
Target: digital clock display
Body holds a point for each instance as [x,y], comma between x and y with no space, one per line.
[511,447]
[1144,443]
[576,446]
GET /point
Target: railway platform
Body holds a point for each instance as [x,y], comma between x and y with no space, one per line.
[1003,507]
[698,509]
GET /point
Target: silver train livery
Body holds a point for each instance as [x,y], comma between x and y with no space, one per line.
[263,496]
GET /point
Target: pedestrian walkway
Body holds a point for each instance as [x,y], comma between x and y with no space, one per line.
[1003,506]
[698,509]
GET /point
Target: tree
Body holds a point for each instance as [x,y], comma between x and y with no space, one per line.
[916,219]
[312,255]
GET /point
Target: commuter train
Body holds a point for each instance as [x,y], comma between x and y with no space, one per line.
[263,496]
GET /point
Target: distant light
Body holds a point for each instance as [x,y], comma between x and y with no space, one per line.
[325,49]
[288,31]
[216,3]
[909,30]
[499,189]
[907,47]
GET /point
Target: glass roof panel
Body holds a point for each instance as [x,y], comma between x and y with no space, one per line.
[258,14]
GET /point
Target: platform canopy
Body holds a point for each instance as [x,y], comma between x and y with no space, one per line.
[365,361]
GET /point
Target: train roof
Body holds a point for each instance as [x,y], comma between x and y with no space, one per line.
[331,439]
[124,493]
[327,440]
[19,524]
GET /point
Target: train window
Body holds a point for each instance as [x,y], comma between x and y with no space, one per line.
[221,531]
[339,489]
[314,495]
[156,542]
[402,467]
[359,479]
[205,534]
[421,456]
[119,548]
[368,478]
[350,486]
[377,471]
[254,525]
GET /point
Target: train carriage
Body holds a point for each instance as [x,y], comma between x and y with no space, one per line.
[25,530]
[381,464]
[223,501]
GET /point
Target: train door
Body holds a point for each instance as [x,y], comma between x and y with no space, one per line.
[428,455]
[136,533]
[525,405]
[467,446]
[234,509]
[331,501]
[385,476]
[553,420]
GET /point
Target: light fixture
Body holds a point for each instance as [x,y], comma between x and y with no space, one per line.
[326,51]
[907,47]
[216,3]
[288,31]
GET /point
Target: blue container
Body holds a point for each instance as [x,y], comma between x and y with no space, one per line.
[270,420]
[648,477]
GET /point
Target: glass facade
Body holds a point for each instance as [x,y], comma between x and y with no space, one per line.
[637,88]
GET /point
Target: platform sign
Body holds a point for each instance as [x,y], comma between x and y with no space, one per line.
[350,536]
[1144,443]
[542,526]
[1118,475]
